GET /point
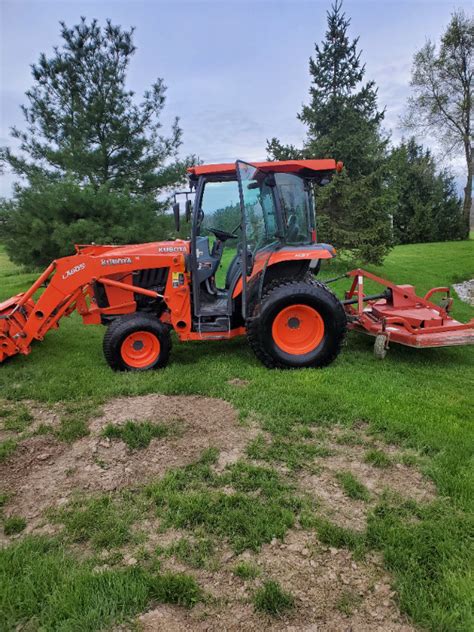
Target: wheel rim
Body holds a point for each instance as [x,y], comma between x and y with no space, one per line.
[140,349]
[298,329]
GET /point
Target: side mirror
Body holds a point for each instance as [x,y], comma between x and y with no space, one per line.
[176,215]
[188,210]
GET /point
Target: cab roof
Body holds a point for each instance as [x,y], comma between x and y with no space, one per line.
[304,167]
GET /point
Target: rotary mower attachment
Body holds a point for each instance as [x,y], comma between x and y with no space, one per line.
[398,315]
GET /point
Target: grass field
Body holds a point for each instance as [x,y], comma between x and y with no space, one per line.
[420,401]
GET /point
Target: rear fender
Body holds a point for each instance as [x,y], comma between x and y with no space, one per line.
[290,255]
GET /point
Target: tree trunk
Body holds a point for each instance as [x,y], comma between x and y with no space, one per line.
[468,193]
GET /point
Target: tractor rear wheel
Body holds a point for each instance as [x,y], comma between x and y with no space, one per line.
[297,324]
[137,342]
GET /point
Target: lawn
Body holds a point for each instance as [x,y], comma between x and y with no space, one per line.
[419,400]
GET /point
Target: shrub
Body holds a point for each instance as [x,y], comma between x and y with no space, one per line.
[44,221]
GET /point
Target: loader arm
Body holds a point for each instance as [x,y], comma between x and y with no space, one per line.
[71,283]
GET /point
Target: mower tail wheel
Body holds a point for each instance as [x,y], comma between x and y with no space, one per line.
[297,324]
[137,342]
[380,347]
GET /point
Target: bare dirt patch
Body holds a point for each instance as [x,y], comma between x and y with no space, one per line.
[350,513]
[41,415]
[335,505]
[45,472]
[48,415]
[332,591]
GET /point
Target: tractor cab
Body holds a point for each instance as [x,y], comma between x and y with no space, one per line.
[250,224]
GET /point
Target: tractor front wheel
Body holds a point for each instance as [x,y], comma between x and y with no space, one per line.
[137,342]
[297,324]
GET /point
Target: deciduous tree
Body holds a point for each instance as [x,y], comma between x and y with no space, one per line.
[442,101]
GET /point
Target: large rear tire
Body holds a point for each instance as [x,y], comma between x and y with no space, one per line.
[297,324]
[137,342]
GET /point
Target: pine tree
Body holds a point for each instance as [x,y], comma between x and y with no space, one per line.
[83,122]
[86,134]
[342,117]
[343,122]
[428,207]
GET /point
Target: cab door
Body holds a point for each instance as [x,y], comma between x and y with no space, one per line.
[217,206]
[260,225]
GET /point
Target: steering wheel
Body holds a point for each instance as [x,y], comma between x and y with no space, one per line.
[221,235]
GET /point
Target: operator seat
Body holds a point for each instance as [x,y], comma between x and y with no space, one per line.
[207,262]
[234,270]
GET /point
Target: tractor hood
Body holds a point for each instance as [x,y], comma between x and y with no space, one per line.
[178,246]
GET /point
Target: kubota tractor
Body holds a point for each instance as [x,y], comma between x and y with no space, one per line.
[141,292]
[263,215]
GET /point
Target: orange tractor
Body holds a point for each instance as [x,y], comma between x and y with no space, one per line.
[263,214]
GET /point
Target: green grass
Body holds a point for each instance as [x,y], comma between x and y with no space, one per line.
[347,602]
[272,600]
[291,451]
[349,437]
[421,400]
[15,417]
[377,458]
[176,588]
[72,429]
[195,553]
[136,435]
[259,508]
[45,588]
[339,537]
[351,486]
[7,448]
[429,551]
[73,424]
[246,570]
[13,525]
[104,521]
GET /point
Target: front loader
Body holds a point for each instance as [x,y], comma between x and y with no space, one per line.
[263,215]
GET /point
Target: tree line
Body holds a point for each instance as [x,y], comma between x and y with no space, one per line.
[96,165]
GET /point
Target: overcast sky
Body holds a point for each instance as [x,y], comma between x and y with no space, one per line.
[237,72]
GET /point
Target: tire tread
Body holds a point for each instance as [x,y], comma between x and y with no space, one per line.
[254,326]
[121,325]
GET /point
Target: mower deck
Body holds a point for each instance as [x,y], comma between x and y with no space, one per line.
[398,315]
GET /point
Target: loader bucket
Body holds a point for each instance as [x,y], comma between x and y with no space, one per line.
[13,317]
